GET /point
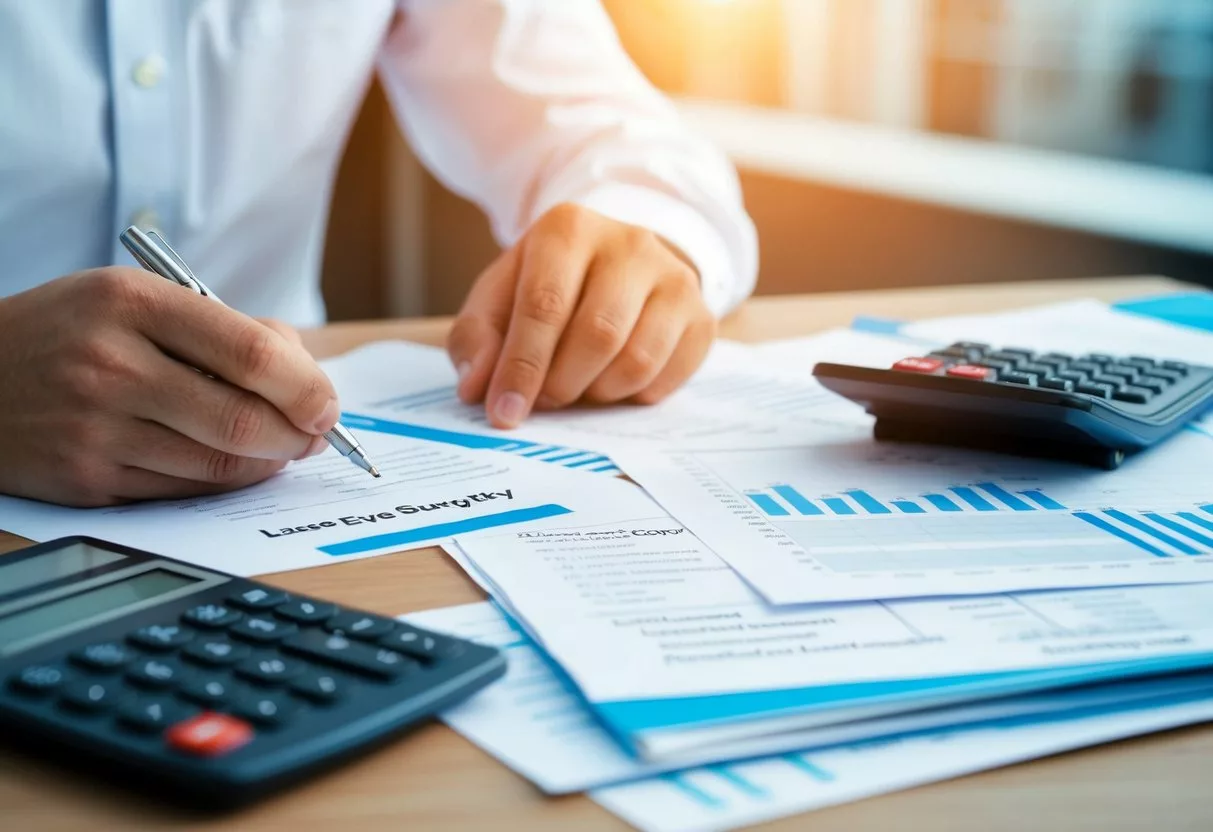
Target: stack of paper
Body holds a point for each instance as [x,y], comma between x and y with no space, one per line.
[781,614]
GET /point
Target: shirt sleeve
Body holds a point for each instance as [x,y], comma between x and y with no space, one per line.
[520,105]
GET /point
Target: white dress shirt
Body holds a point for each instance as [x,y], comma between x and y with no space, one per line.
[221,122]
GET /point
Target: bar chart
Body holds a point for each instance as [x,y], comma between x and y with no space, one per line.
[783,500]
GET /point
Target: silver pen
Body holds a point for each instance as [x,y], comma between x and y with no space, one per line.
[155,254]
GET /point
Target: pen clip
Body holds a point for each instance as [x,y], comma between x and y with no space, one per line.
[172,255]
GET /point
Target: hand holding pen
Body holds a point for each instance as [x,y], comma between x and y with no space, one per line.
[102,401]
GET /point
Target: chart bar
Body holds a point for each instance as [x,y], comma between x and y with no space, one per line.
[589,461]
[867,502]
[973,498]
[1005,497]
[1042,500]
[1100,523]
[812,769]
[1198,520]
[1142,526]
[768,504]
[838,505]
[907,507]
[1207,509]
[541,450]
[740,782]
[1180,528]
[797,500]
[692,791]
[941,502]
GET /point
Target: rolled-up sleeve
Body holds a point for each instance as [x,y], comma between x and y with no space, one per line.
[520,105]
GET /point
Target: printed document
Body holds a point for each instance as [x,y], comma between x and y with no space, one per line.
[856,519]
[533,721]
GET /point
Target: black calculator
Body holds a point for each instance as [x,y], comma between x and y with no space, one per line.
[204,686]
[1092,408]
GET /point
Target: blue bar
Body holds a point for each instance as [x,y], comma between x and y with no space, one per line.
[768,505]
[604,469]
[1142,526]
[589,461]
[906,507]
[867,502]
[815,771]
[515,446]
[446,437]
[1041,500]
[1200,521]
[1207,509]
[694,792]
[541,450]
[1191,534]
[838,505]
[743,784]
[564,457]
[973,498]
[941,502]
[1100,523]
[797,500]
[1006,497]
[441,530]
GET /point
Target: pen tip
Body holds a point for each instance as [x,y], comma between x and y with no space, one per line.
[375,472]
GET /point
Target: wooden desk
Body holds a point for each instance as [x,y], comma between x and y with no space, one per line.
[435,779]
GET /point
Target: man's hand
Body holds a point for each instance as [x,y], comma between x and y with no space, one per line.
[581,308]
[100,401]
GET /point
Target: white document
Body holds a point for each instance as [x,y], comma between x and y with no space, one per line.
[323,510]
[741,397]
[857,519]
[533,722]
[639,613]
[1075,327]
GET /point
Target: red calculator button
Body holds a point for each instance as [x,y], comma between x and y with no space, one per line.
[969,371]
[209,734]
[918,365]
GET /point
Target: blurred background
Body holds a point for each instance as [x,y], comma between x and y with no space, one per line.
[881,143]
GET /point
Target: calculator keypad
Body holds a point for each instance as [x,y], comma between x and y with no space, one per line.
[225,671]
[1135,380]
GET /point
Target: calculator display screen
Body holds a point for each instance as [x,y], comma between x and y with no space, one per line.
[84,605]
[17,574]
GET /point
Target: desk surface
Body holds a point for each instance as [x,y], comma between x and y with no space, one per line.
[437,779]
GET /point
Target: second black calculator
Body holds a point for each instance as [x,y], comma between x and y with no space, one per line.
[1091,408]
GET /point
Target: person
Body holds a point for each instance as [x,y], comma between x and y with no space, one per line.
[221,122]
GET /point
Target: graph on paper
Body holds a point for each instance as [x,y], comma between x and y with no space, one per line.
[857,520]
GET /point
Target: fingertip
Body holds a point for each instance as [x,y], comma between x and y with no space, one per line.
[508,410]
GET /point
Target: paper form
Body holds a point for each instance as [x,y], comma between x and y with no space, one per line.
[322,510]
[858,519]
[739,398]
[533,722]
[664,639]
[1076,327]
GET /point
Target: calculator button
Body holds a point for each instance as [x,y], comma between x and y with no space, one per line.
[1098,358]
[1054,359]
[1012,358]
[161,636]
[1133,395]
[1112,381]
[306,612]
[1100,390]
[265,708]
[337,649]
[153,715]
[216,651]
[1055,383]
[1035,369]
[995,364]
[422,645]
[1154,385]
[1138,361]
[269,669]
[1169,376]
[1175,367]
[1016,377]
[359,625]
[209,691]
[919,365]
[106,655]
[209,734]
[94,695]
[1121,371]
[156,673]
[211,616]
[319,686]
[39,679]
[1072,375]
[262,628]
[258,598]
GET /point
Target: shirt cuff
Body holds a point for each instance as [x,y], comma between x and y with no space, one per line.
[680,225]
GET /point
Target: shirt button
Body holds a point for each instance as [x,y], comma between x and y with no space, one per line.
[148,72]
[145,219]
